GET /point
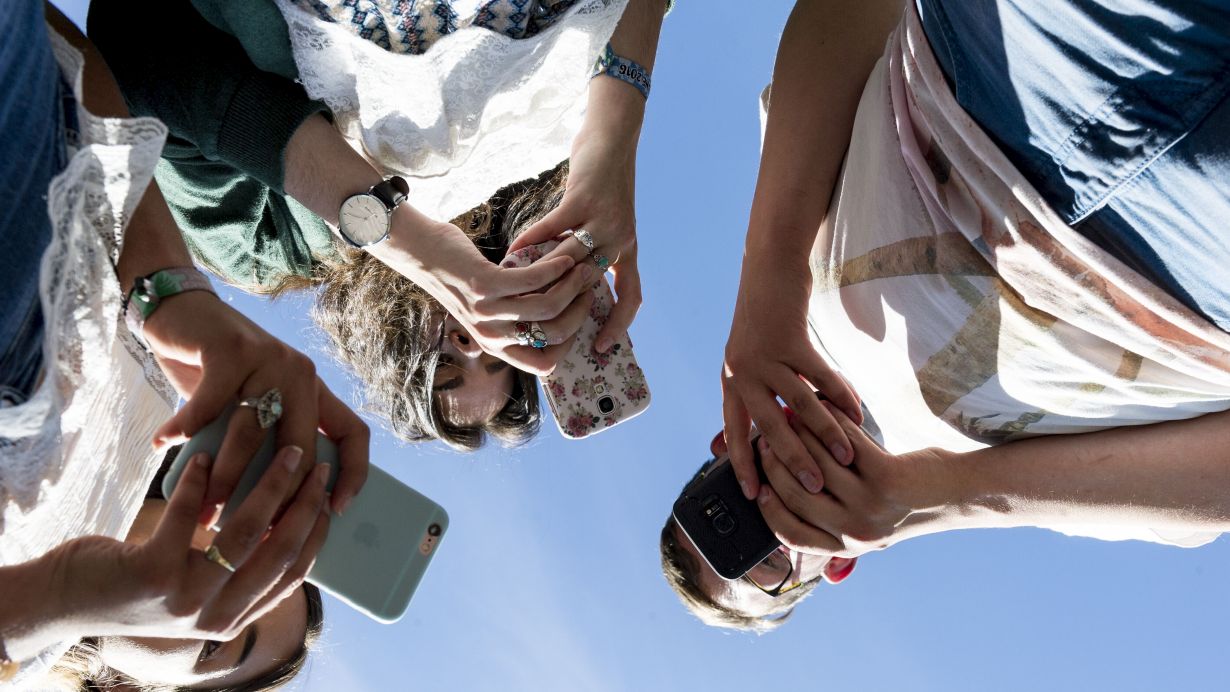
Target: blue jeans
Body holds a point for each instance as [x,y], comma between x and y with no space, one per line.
[36,111]
[1118,112]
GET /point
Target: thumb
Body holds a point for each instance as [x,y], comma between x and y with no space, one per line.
[547,228]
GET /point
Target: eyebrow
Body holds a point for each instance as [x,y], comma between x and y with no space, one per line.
[492,368]
[248,643]
[495,367]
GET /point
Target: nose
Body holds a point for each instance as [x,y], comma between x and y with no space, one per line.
[464,343]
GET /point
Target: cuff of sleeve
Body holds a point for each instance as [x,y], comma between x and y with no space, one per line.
[260,120]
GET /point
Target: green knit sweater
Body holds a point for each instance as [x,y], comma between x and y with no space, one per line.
[221,75]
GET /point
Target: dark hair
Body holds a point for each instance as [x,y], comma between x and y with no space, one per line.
[385,328]
[81,669]
[682,569]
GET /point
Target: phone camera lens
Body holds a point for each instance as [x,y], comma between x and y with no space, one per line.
[724,524]
[606,404]
[434,530]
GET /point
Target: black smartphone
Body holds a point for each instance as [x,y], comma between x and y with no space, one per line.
[726,528]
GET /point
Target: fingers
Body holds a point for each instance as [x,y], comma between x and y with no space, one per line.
[245,530]
[791,531]
[300,410]
[353,439]
[737,432]
[569,322]
[549,305]
[244,438]
[179,522]
[834,387]
[295,576]
[771,420]
[547,228]
[814,514]
[538,362]
[840,481]
[292,544]
[799,396]
[515,281]
[858,438]
[628,287]
[215,392]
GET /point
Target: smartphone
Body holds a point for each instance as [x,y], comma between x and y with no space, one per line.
[727,528]
[375,554]
[590,392]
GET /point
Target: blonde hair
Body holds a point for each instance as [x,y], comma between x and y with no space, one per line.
[384,327]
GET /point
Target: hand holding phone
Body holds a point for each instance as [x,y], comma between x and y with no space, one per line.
[589,392]
[375,553]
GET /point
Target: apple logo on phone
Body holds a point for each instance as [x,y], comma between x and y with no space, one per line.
[367,534]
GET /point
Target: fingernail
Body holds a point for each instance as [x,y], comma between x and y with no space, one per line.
[343,506]
[603,345]
[291,457]
[809,481]
[762,444]
[201,459]
[209,515]
[763,497]
[840,453]
[588,272]
[747,492]
[322,474]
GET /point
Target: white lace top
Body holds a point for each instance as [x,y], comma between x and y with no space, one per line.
[476,111]
[75,459]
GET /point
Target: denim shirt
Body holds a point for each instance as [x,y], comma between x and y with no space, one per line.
[1117,112]
[36,110]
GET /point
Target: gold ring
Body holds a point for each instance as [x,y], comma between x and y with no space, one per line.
[215,556]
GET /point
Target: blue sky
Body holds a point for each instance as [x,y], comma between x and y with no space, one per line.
[549,577]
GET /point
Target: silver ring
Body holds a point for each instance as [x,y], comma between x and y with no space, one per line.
[215,556]
[268,407]
[531,334]
[585,238]
[602,261]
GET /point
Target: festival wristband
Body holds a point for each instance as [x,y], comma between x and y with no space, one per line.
[624,70]
[148,292]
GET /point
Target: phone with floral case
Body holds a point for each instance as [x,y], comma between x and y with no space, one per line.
[590,392]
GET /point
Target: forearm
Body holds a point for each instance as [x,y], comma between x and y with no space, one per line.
[1173,475]
[615,110]
[152,240]
[827,51]
[31,618]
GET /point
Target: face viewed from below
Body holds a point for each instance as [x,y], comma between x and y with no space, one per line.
[472,385]
[795,573]
[261,648]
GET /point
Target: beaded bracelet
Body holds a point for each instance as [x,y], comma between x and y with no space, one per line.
[624,70]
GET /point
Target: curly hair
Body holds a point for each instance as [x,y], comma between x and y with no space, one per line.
[81,669]
[384,327]
[682,570]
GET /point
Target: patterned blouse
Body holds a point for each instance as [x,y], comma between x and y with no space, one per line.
[413,26]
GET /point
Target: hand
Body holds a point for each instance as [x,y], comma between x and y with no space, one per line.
[768,356]
[167,588]
[600,199]
[214,356]
[487,299]
[881,500]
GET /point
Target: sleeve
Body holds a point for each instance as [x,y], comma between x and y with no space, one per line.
[199,81]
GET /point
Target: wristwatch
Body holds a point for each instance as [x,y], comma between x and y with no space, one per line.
[365,218]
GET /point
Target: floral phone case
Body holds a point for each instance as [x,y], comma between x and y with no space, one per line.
[590,392]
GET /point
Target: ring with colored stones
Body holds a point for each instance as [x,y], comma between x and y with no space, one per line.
[215,556]
[531,334]
[602,261]
[585,238]
[268,407]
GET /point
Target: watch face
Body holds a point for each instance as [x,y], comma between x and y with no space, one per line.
[364,220]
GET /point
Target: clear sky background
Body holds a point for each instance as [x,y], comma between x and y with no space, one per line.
[549,578]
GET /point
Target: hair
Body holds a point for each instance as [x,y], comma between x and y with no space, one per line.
[682,572]
[384,327]
[82,669]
